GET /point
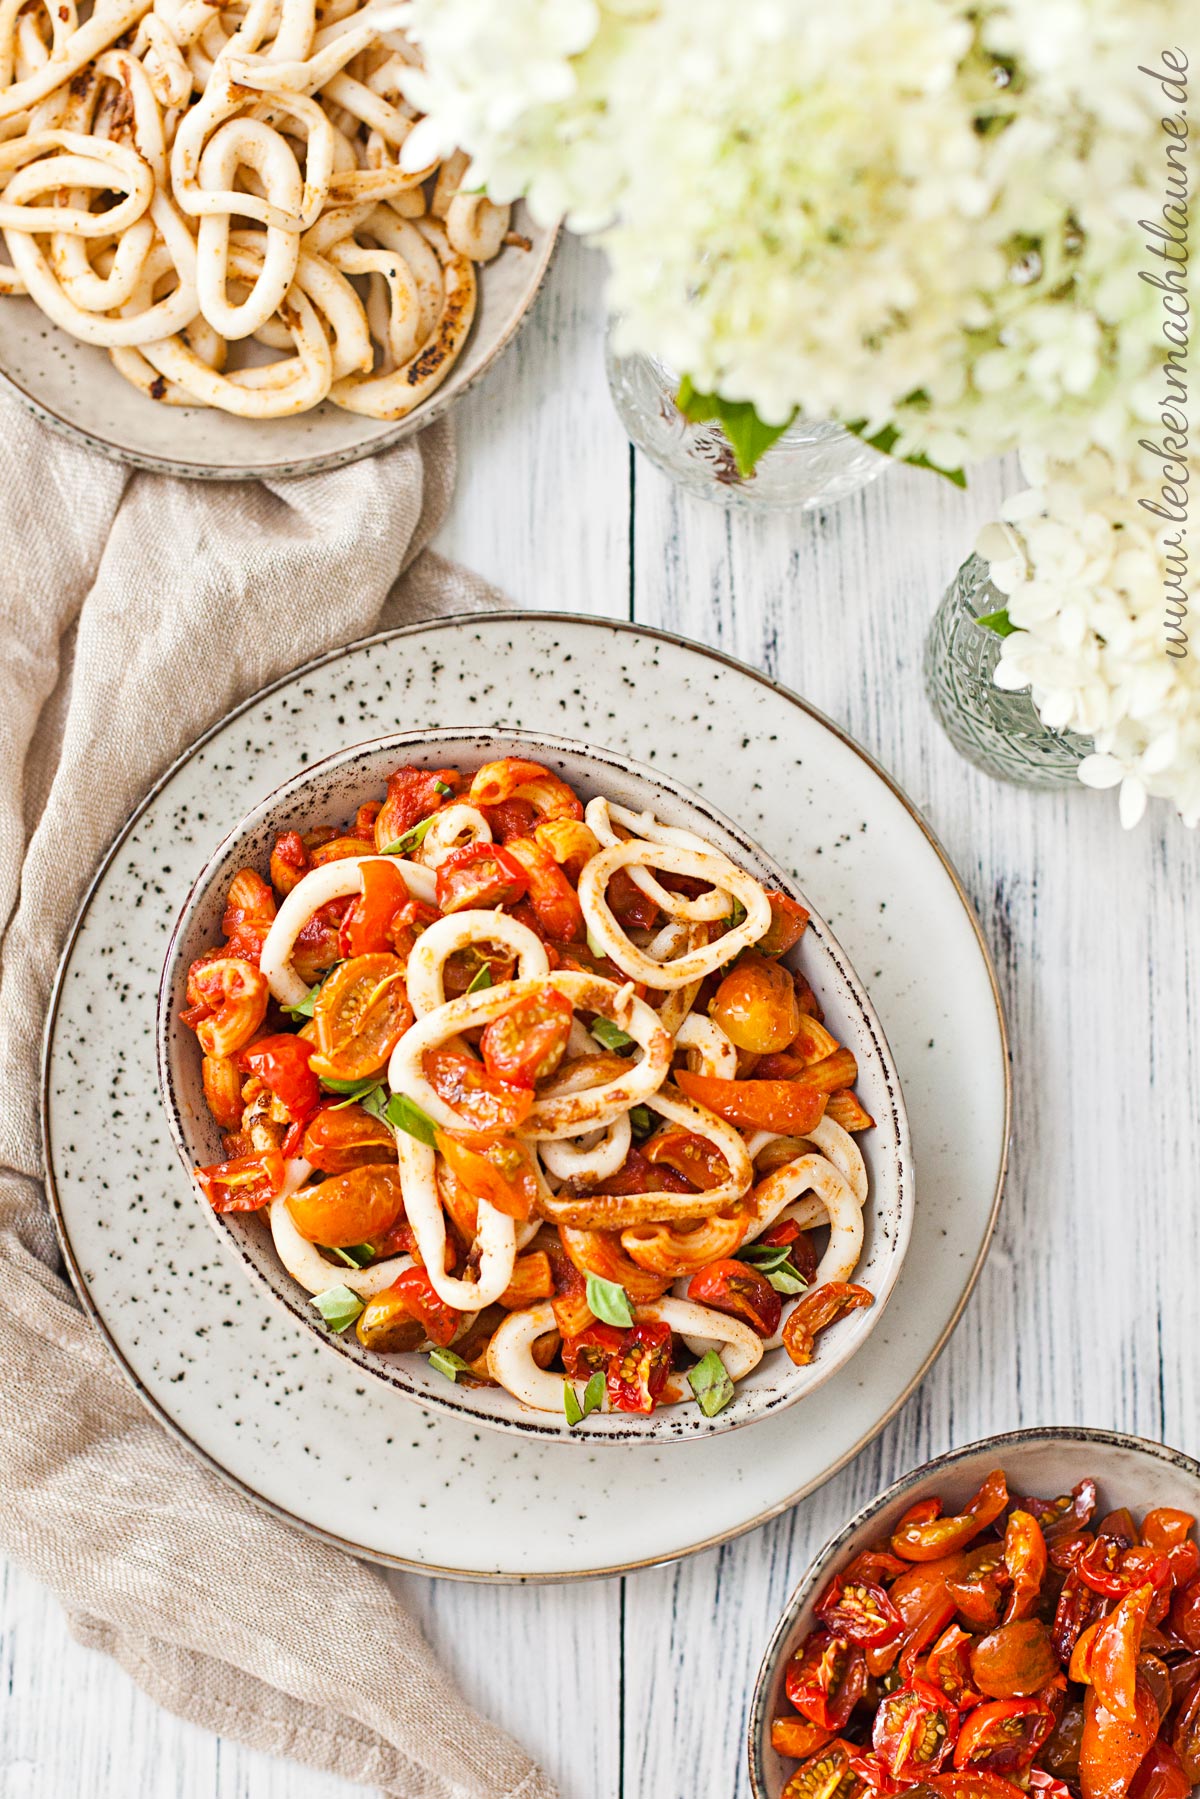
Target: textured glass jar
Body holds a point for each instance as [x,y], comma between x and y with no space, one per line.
[812,464]
[999,732]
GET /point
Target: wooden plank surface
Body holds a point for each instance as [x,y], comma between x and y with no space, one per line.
[638,1689]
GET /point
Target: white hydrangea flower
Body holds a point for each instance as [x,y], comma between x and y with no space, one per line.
[1083,566]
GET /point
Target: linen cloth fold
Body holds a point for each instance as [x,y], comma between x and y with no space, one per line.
[135,610]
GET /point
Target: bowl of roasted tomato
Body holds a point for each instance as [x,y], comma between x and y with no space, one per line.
[529,1083]
[1021,1616]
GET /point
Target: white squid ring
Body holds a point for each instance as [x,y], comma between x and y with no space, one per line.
[332,880]
[424,978]
[696,963]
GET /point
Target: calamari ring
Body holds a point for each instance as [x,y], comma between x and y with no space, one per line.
[332,880]
[836,1205]
[424,976]
[304,1261]
[709,1050]
[604,930]
[645,828]
[595,1154]
[106,25]
[496,1238]
[456,826]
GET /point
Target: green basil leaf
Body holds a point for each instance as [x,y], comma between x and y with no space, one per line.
[306,1006]
[571,1405]
[374,1101]
[598,950]
[593,1394]
[405,1115]
[786,1280]
[355,1089]
[357,1256]
[482,980]
[609,1301]
[737,915]
[441,787]
[710,1382]
[610,1035]
[748,436]
[447,1363]
[765,1256]
[339,1307]
[410,839]
[641,1122]
[999,622]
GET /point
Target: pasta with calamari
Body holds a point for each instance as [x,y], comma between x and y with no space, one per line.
[523,1084]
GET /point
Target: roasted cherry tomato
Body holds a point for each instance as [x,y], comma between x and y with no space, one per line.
[483,875]
[1185,1731]
[412,794]
[817,1309]
[637,1174]
[1065,1516]
[554,901]
[245,1184]
[386,1324]
[1078,1606]
[698,1160]
[925,1541]
[797,1738]
[825,1679]
[341,1137]
[967,1785]
[803,1257]
[929,1626]
[526,1044]
[949,1667]
[1015,1660]
[281,1063]
[486,1105]
[590,1351]
[914,1731]
[1161,1774]
[1003,1735]
[858,1611]
[787,926]
[318,946]
[367,926]
[638,1370]
[789,1107]
[1185,1614]
[500,1172]
[511,818]
[1112,1664]
[349,1208]
[360,1015]
[249,914]
[824,1775]
[1111,1749]
[1025,1562]
[1111,1568]
[755,1005]
[740,1290]
[415,1290]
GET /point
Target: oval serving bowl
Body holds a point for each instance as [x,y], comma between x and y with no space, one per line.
[74,388]
[332,789]
[1047,1461]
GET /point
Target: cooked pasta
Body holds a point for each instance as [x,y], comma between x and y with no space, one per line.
[529,1088]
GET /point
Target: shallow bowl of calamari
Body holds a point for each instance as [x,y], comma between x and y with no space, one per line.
[328,793]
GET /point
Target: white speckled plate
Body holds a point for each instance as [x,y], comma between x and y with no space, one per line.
[75,389]
[245,1384]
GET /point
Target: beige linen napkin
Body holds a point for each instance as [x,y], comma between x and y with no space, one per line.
[134,611]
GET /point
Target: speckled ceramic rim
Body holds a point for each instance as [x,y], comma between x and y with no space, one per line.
[439,402]
[790,1385]
[825,1560]
[513,617]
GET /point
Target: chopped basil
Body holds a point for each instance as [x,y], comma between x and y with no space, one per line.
[305,1007]
[641,1122]
[785,1279]
[374,1101]
[710,1382]
[353,1089]
[441,787]
[482,979]
[737,915]
[357,1256]
[447,1363]
[611,1035]
[609,1301]
[598,950]
[593,1399]
[339,1307]
[410,839]
[571,1405]
[405,1115]
[765,1256]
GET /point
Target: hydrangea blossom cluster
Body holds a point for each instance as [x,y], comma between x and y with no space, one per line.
[914,213]
[1084,568]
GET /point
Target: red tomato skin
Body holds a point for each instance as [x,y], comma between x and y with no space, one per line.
[734,1287]
[412,794]
[591,1351]
[914,1731]
[925,1541]
[282,1063]
[1160,1775]
[243,1184]
[1185,1614]
[858,1611]
[1110,1750]
[526,1044]
[439,1320]
[482,875]
[825,1679]
[638,1370]
[485,1105]
[1003,1736]
[367,926]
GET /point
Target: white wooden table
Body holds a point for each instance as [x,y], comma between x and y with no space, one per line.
[638,1688]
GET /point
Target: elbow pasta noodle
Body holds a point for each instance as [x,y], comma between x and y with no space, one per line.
[180,179]
[506,1074]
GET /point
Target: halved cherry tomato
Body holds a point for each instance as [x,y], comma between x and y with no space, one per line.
[1065,1515]
[1112,1665]
[1078,1606]
[632,909]
[858,1611]
[415,1289]
[367,926]
[825,1679]
[349,1208]
[481,875]
[637,1174]
[1046,1784]
[787,926]
[970,1785]
[949,1667]
[1111,1749]
[1003,1735]
[1185,1614]
[249,914]
[1161,1774]
[698,1160]
[1014,1661]
[554,900]
[281,1063]
[486,1105]
[466,965]
[797,1737]
[736,1288]
[929,1625]
[924,1542]
[500,1172]
[755,1005]
[526,1044]
[638,1370]
[318,946]
[360,1015]
[817,1309]
[789,1107]
[406,926]
[1165,1527]
[1025,1561]
[510,818]
[244,1184]
[921,1583]
[591,1350]
[1185,1732]
[341,1137]
[412,794]
[824,1775]
[914,1731]
[1112,1569]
